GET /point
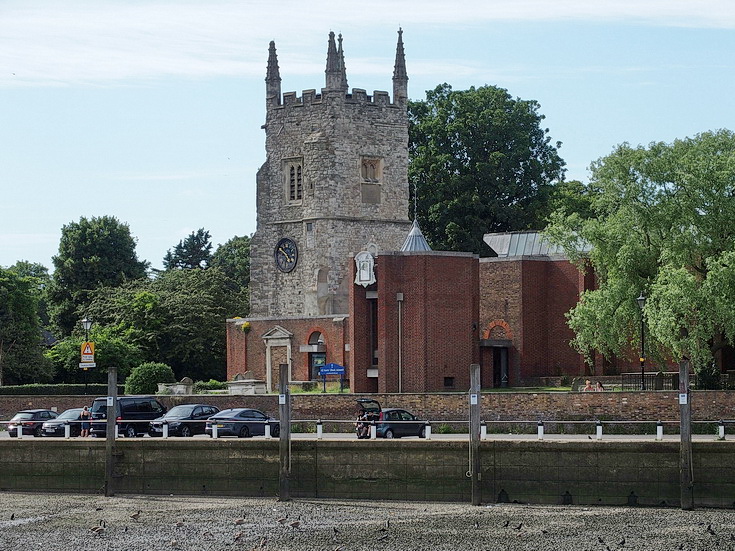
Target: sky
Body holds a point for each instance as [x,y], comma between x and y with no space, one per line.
[151,111]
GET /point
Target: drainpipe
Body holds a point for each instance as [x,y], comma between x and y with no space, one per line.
[399,298]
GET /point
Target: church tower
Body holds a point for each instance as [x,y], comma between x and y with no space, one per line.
[334,183]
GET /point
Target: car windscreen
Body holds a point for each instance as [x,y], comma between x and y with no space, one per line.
[99,406]
[22,416]
[70,414]
[180,412]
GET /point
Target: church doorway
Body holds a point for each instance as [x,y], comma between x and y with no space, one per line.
[500,366]
[317,354]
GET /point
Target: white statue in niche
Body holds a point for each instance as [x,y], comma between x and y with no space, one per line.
[364,267]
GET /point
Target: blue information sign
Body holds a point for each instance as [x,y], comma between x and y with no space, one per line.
[332,369]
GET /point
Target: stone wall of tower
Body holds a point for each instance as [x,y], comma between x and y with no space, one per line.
[339,213]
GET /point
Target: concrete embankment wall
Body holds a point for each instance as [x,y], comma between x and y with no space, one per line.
[603,473]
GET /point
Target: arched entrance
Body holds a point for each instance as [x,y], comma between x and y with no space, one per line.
[317,354]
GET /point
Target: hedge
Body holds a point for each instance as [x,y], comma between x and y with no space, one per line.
[95,389]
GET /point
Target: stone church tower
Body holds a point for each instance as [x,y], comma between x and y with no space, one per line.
[334,183]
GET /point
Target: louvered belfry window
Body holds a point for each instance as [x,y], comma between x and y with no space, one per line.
[295,182]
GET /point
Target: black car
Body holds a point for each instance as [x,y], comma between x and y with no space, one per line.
[242,422]
[389,422]
[133,414]
[30,420]
[56,427]
[177,418]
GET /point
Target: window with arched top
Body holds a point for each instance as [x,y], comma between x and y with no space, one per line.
[316,338]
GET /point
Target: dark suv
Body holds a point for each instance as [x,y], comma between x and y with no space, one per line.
[133,414]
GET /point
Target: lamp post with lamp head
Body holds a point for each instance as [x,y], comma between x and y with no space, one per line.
[641,300]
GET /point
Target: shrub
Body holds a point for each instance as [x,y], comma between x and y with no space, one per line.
[211,384]
[144,379]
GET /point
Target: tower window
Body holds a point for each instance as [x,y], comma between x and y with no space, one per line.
[294,180]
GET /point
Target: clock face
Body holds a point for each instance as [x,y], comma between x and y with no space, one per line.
[286,254]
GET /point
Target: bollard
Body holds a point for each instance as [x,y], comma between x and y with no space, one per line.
[659,431]
[599,430]
[67,431]
[267,431]
[540,430]
[19,430]
[721,430]
[483,430]
[319,429]
[373,431]
[165,429]
[427,431]
[214,430]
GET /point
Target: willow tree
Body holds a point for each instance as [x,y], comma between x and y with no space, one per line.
[662,226]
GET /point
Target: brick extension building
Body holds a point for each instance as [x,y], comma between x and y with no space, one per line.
[331,283]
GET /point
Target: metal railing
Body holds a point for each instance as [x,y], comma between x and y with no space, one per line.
[543,429]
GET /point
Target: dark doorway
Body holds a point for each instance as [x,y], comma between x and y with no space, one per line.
[317,360]
[500,367]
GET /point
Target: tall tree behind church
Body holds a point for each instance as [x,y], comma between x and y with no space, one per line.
[481,163]
[93,253]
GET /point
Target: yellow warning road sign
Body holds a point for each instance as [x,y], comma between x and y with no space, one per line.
[87,352]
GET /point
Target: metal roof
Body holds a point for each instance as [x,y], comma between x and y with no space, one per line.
[529,243]
[415,240]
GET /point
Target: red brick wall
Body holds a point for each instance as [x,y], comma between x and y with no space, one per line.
[500,299]
[248,352]
[707,405]
[440,304]
[532,296]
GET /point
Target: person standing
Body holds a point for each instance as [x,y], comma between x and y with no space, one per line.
[85,416]
[588,386]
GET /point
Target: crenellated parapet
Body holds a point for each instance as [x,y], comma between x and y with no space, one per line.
[311,97]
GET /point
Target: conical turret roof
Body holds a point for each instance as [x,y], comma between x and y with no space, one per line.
[415,240]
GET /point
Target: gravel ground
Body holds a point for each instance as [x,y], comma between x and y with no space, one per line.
[64,522]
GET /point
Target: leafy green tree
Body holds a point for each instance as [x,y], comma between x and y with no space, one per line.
[662,225]
[111,348]
[39,276]
[21,353]
[481,163]
[193,252]
[144,379]
[92,253]
[572,196]
[233,258]
[178,318]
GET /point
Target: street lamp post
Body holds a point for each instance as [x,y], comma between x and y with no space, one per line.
[641,300]
[87,324]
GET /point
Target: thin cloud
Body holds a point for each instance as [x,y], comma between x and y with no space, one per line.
[84,42]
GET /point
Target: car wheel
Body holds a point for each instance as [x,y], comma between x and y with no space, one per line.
[422,432]
[12,434]
[275,431]
[389,433]
[130,432]
[244,432]
[38,432]
[185,431]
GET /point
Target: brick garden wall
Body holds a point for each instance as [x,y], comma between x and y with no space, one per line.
[550,406]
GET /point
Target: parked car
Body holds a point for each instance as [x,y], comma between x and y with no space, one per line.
[133,414]
[56,427]
[30,420]
[242,422]
[389,422]
[177,418]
